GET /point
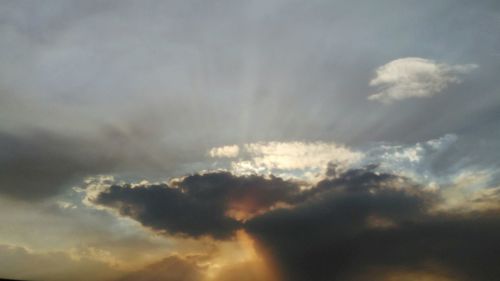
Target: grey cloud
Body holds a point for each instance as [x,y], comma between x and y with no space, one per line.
[36,163]
[80,66]
[170,54]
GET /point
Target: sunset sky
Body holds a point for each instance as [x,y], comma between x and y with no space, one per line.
[272,140]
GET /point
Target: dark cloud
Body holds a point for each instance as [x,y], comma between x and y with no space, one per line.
[364,219]
[350,223]
[164,208]
[361,179]
[201,204]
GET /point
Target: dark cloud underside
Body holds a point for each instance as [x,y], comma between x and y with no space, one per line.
[198,204]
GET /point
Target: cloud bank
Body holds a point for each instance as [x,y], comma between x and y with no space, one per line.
[352,222]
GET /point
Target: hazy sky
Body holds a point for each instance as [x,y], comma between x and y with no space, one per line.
[269,140]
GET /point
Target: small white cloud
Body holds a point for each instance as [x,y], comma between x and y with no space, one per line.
[228,151]
[415,78]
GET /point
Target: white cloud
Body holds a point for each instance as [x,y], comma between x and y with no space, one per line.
[93,186]
[309,160]
[414,78]
[290,159]
[299,155]
[228,151]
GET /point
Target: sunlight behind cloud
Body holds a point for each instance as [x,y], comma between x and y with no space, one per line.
[291,159]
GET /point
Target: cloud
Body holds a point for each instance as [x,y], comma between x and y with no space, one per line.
[22,263]
[225,263]
[308,161]
[362,220]
[470,191]
[190,81]
[415,78]
[218,203]
[213,204]
[290,159]
[228,151]
[299,155]
[417,161]
[172,268]
[38,164]
[353,221]
[101,236]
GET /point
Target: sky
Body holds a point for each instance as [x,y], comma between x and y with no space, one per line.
[275,140]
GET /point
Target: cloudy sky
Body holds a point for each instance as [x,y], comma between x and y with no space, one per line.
[271,140]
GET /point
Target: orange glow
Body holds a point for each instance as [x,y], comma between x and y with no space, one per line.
[240,260]
[249,206]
